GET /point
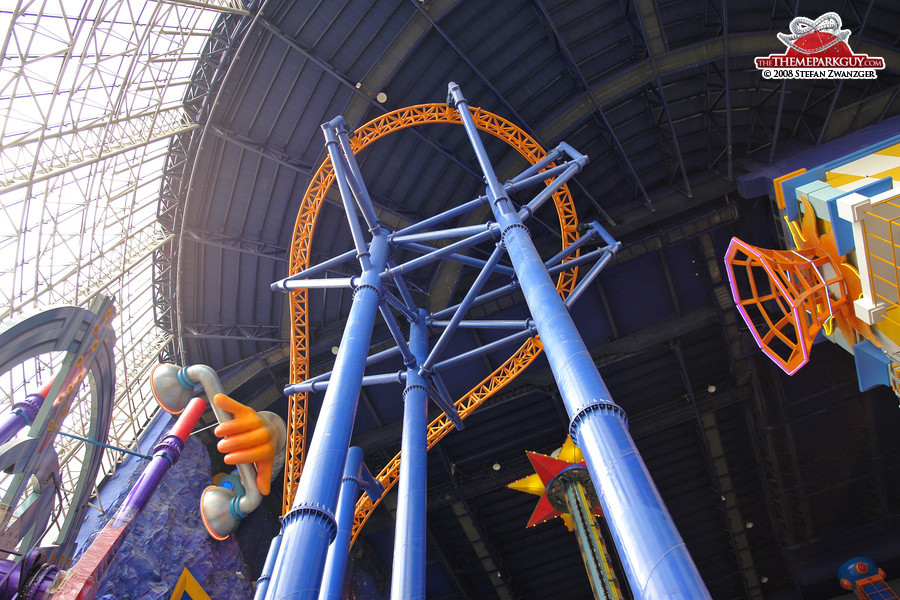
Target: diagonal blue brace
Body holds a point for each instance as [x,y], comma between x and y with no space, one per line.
[441,396]
[654,556]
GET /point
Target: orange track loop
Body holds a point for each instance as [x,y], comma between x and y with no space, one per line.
[299,260]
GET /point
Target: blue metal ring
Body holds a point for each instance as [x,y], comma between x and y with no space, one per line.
[184,380]
[235,508]
[315,511]
[608,405]
[368,286]
[415,386]
[514,226]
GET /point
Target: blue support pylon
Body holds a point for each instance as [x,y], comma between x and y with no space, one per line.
[654,555]
[408,573]
[309,527]
[356,477]
[655,559]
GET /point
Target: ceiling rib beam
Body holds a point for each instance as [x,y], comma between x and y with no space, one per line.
[728,133]
[649,24]
[449,569]
[228,331]
[853,44]
[344,80]
[774,136]
[276,31]
[607,310]
[487,82]
[233,242]
[473,531]
[716,459]
[670,284]
[279,156]
[609,133]
[640,74]
[777,454]
[777,127]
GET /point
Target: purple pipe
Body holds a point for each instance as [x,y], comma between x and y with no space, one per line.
[14,573]
[11,423]
[38,579]
[23,413]
[166,453]
[84,578]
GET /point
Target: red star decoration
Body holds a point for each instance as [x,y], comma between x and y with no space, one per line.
[546,468]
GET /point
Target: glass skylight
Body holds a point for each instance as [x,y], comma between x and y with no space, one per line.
[90,95]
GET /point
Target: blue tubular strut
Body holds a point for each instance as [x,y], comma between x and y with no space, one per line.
[262,584]
[441,234]
[279,286]
[356,476]
[408,579]
[655,558]
[354,177]
[462,310]
[320,385]
[432,255]
[336,561]
[309,527]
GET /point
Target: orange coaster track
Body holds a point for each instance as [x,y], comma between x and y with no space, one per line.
[299,260]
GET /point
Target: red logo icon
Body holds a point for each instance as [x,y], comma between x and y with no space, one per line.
[818,50]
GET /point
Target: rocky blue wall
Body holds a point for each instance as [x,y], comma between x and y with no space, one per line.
[169,536]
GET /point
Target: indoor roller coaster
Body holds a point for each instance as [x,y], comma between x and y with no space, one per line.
[657,563]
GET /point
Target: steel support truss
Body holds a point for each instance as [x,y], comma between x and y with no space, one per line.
[309,525]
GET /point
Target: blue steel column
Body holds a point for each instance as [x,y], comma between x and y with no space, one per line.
[408,579]
[262,584]
[336,561]
[309,527]
[653,554]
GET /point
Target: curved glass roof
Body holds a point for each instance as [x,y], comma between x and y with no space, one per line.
[90,95]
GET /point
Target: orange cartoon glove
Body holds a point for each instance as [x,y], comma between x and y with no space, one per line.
[251,437]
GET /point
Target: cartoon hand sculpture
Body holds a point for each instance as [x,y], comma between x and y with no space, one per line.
[251,437]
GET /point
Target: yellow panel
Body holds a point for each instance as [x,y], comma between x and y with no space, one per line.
[839,179]
[531,484]
[890,326]
[894,173]
[891,150]
[849,187]
[187,587]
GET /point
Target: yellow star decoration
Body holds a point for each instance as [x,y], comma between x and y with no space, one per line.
[547,468]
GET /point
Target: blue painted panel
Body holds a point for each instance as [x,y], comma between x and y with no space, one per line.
[871,366]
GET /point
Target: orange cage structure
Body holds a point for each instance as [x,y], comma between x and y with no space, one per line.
[786,297]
